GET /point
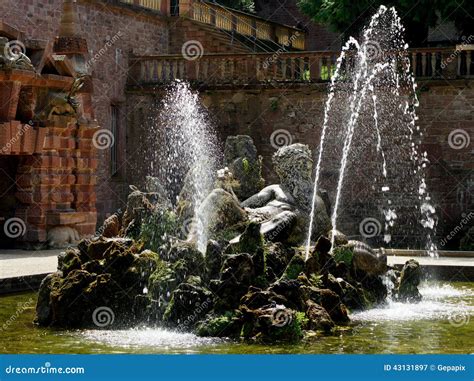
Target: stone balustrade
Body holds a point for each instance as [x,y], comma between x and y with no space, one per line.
[215,69]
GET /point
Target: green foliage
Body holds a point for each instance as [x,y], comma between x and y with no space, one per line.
[349,17]
[274,104]
[246,165]
[215,327]
[156,228]
[241,5]
[295,267]
[325,76]
[343,254]
[316,280]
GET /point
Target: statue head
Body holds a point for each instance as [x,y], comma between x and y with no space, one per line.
[294,166]
[293,162]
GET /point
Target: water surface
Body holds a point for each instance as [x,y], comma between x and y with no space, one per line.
[442,323]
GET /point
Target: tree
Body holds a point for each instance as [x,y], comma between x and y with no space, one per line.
[241,5]
[348,16]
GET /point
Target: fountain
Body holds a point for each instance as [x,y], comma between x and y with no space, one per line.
[371,108]
[186,158]
[246,277]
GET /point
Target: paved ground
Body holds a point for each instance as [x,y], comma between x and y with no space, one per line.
[17,263]
[427,261]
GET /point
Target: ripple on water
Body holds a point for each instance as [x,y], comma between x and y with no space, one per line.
[439,302]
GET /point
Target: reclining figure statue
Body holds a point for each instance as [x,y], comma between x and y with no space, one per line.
[283,209]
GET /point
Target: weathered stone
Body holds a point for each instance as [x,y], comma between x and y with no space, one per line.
[111,227]
[61,237]
[43,305]
[188,304]
[409,280]
[333,305]
[222,211]
[318,317]
[240,156]
[366,260]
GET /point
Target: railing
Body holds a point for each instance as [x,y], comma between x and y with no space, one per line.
[150,4]
[246,24]
[285,67]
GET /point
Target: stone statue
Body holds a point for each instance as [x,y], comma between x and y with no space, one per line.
[283,209]
[60,103]
[16,60]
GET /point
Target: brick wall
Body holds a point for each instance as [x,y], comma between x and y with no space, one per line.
[258,112]
[127,30]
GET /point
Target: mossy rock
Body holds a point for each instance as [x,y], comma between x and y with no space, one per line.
[225,325]
[70,261]
[295,267]
[343,254]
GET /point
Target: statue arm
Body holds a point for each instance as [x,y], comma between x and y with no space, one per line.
[260,199]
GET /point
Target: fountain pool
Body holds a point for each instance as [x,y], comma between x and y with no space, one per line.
[442,323]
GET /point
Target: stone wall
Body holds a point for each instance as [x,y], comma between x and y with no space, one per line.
[112,31]
[297,112]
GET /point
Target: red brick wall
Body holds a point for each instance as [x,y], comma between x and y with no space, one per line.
[130,31]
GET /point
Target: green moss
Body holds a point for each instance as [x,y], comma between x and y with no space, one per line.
[295,267]
[246,165]
[274,104]
[217,326]
[156,228]
[316,280]
[343,254]
[291,332]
